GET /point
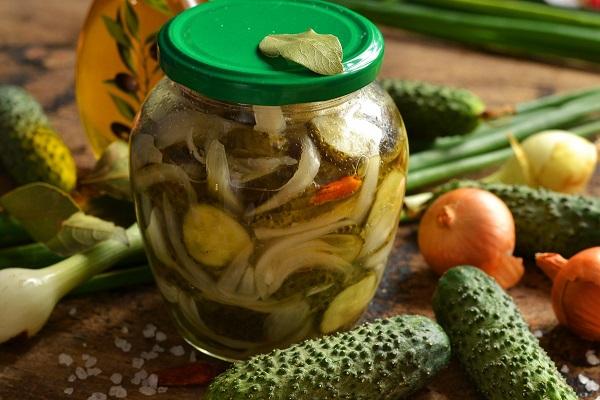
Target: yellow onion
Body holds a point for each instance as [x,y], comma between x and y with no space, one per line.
[576,290]
[471,227]
[556,160]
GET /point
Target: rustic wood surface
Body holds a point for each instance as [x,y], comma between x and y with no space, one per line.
[37,51]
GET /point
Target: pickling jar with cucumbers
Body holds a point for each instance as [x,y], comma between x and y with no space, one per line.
[268,195]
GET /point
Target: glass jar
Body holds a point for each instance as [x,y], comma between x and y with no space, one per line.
[267,221]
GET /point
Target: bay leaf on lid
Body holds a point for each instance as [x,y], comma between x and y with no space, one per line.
[320,53]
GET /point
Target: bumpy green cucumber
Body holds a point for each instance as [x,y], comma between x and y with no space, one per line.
[493,342]
[385,360]
[29,149]
[545,221]
[431,110]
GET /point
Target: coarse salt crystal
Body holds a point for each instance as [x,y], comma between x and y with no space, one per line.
[124,330]
[73,311]
[158,349]
[565,369]
[90,362]
[160,336]
[162,389]
[152,381]
[147,391]
[149,355]
[85,356]
[177,351]
[71,378]
[65,359]
[538,334]
[97,396]
[95,371]
[583,379]
[592,386]
[192,356]
[592,358]
[137,363]
[122,344]
[80,373]
[149,331]
[139,377]
[116,378]
[68,391]
[117,391]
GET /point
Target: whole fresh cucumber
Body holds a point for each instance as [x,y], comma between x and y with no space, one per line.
[30,150]
[430,111]
[386,360]
[492,341]
[545,221]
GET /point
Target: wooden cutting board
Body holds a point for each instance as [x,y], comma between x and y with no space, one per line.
[37,50]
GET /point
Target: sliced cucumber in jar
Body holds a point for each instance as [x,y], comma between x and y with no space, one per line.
[345,143]
[348,306]
[383,218]
[212,237]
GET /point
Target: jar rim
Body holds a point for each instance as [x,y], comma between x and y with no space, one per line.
[212,49]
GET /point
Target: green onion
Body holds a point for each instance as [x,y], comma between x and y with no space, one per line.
[33,255]
[501,33]
[11,232]
[428,176]
[115,280]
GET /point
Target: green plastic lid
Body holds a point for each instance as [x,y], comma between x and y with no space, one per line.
[213,49]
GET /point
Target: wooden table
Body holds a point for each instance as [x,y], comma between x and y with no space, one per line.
[37,42]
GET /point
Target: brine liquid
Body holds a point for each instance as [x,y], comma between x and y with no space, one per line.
[244,255]
[116,64]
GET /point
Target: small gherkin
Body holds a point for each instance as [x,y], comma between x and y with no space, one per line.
[545,221]
[493,342]
[387,359]
[430,111]
[30,150]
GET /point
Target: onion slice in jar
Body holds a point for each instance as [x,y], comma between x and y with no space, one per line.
[368,190]
[219,182]
[160,173]
[308,167]
[232,276]
[244,170]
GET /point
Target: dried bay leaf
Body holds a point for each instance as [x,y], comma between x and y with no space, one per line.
[320,53]
[111,173]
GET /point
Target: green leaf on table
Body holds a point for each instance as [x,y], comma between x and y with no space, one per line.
[159,5]
[320,53]
[131,19]
[125,109]
[52,217]
[111,173]
[79,232]
[116,31]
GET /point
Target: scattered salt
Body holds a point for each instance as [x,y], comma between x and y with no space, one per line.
[149,355]
[65,359]
[68,391]
[84,344]
[95,371]
[160,336]
[538,334]
[124,330]
[139,377]
[565,369]
[177,351]
[152,381]
[192,356]
[157,349]
[122,344]
[73,311]
[85,356]
[97,396]
[583,379]
[80,372]
[90,362]
[149,331]
[147,391]
[137,363]
[116,378]
[592,358]
[117,391]
[71,378]
[162,389]
[592,386]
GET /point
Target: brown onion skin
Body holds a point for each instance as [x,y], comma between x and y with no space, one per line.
[471,226]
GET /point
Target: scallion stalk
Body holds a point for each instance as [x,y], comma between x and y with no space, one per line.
[115,280]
